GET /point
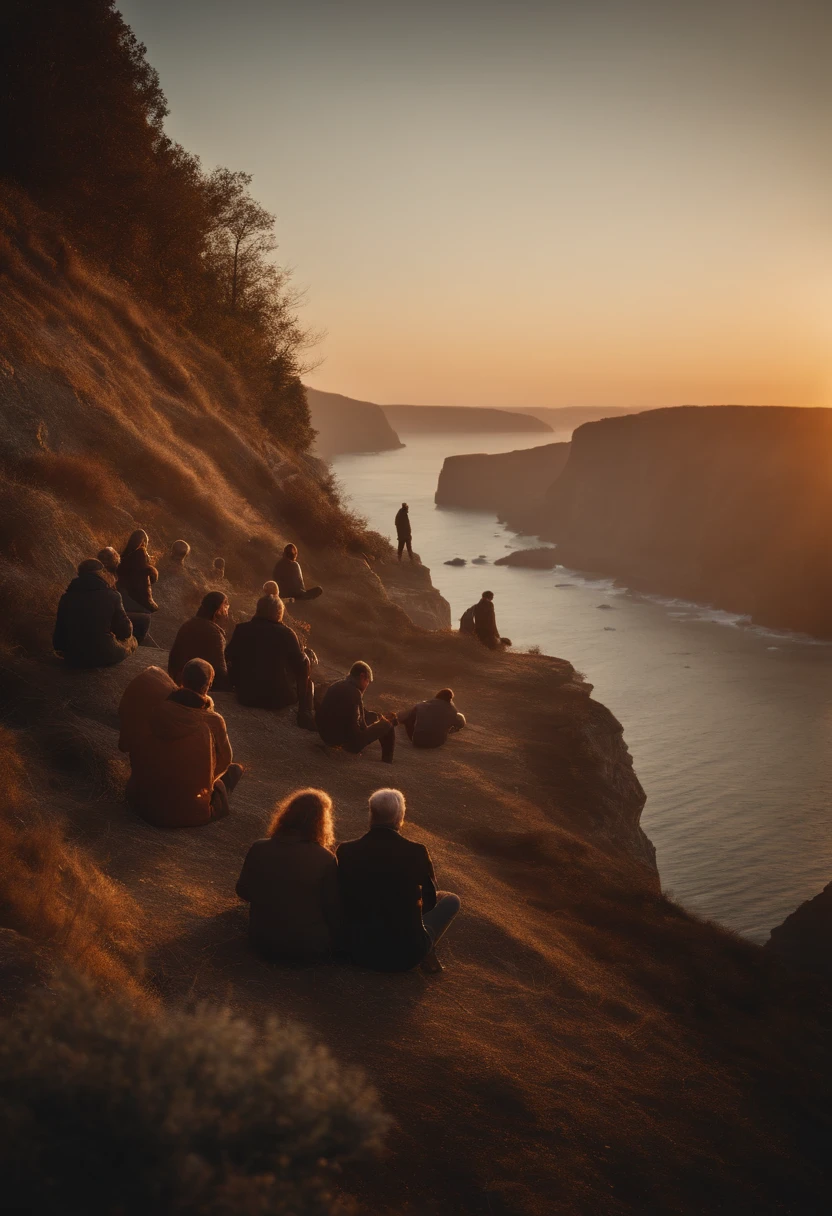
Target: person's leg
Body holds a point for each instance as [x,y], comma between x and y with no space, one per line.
[223,787]
[381,730]
[439,918]
[141,625]
[459,723]
[409,727]
[410,548]
[311,593]
[401,548]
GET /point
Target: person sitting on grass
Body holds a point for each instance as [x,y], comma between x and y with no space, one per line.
[267,665]
[91,628]
[142,695]
[393,913]
[430,722]
[485,621]
[344,722]
[182,766]
[140,621]
[203,637]
[136,575]
[289,577]
[290,879]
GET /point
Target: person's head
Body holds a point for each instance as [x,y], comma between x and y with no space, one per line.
[362,673]
[179,550]
[306,813]
[138,540]
[219,566]
[291,551]
[488,595]
[92,565]
[197,676]
[445,694]
[387,808]
[214,606]
[270,608]
[405,507]
[270,587]
[109,559]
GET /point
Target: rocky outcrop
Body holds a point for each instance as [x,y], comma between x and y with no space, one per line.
[456,419]
[512,484]
[564,419]
[727,505]
[346,425]
[531,559]
[409,585]
[805,937]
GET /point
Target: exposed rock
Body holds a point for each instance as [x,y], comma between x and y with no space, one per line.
[409,585]
[456,419]
[482,560]
[456,561]
[512,484]
[532,559]
[346,425]
[805,937]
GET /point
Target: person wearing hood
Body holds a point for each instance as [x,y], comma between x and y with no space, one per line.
[182,763]
[267,665]
[140,621]
[203,637]
[92,629]
[404,534]
[136,575]
[289,577]
[485,621]
[430,722]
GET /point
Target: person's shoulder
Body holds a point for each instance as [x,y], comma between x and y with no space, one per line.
[347,847]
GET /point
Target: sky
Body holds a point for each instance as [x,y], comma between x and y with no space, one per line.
[517,203]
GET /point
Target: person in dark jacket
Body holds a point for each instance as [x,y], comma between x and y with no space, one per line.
[393,913]
[344,722]
[92,629]
[485,621]
[289,577]
[136,575]
[430,722]
[290,879]
[267,665]
[203,637]
[140,621]
[403,532]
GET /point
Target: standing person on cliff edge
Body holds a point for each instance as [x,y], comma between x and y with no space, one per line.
[403,532]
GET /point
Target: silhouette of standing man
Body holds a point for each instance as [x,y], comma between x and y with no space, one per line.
[403,531]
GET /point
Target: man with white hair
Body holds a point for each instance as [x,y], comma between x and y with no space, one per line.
[394,914]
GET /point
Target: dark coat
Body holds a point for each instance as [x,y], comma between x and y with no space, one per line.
[289,577]
[265,661]
[199,638]
[340,716]
[403,524]
[430,722]
[136,577]
[92,629]
[485,623]
[386,883]
[292,886]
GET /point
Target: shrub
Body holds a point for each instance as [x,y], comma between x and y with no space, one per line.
[106,1110]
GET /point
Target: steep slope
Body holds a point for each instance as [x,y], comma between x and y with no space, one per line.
[457,419]
[346,425]
[513,484]
[726,505]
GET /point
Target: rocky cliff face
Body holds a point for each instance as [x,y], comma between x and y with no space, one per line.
[346,425]
[453,419]
[728,505]
[510,483]
[805,937]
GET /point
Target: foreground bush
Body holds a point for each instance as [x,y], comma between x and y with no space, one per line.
[104,1110]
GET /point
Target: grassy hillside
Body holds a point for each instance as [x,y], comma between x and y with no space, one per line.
[590,1047]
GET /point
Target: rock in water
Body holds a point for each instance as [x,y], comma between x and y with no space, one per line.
[532,559]
[456,561]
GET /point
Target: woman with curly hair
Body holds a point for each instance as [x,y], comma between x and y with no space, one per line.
[290,881]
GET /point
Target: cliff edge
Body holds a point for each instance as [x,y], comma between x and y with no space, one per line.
[513,484]
[346,425]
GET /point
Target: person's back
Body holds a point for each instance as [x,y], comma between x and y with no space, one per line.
[266,661]
[402,522]
[430,722]
[291,885]
[136,574]
[92,629]
[289,577]
[178,760]
[203,637]
[386,881]
[340,716]
[485,621]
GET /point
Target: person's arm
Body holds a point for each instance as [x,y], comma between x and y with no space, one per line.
[217,660]
[428,885]
[409,719]
[152,574]
[121,625]
[222,745]
[359,722]
[297,659]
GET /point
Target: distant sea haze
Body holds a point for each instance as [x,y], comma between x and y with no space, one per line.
[729,725]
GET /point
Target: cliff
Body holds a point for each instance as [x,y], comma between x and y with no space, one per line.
[346,425]
[727,505]
[805,937]
[455,419]
[509,483]
[620,1055]
[563,419]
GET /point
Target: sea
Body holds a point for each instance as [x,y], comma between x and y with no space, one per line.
[729,724]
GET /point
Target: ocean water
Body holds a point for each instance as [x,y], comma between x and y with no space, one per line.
[730,726]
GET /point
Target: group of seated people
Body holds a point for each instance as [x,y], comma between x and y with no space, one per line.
[373,900]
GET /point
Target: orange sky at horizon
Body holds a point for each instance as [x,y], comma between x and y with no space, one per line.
[607,203]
